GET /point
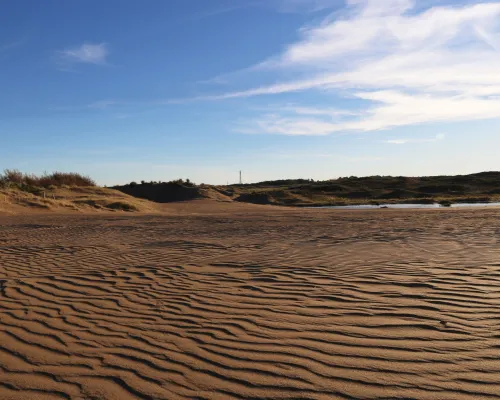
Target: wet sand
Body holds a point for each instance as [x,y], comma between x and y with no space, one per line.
[214,301]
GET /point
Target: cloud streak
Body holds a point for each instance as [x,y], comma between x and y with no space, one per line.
[438,138]
[102,104]
[12,45]
[86,53]
[292,6]
[403,66]
[281,6]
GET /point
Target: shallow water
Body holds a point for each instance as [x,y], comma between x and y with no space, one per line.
[406,206]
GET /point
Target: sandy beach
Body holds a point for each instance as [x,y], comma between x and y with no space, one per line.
[232,301]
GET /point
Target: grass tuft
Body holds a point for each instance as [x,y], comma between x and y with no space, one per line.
[23,181]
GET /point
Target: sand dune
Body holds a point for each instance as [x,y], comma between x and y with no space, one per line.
[241,302]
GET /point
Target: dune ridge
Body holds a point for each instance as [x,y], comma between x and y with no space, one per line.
[250,303]
[14,200]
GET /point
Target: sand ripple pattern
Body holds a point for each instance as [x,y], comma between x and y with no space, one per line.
[275,305]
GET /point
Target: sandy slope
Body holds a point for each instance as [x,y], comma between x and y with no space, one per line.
[240,302]
[70,200]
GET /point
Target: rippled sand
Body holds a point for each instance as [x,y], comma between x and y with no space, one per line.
[242,302]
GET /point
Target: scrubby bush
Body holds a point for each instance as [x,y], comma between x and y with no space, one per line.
[55,179]
[120,205]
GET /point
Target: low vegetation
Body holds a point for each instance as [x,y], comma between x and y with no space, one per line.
[474,188]
[163,192]
[60,191]
[13,177]
[76,191]
[121,205]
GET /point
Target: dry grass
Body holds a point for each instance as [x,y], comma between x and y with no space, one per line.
[121,205]
[61,191]
[55,179]
[63,199]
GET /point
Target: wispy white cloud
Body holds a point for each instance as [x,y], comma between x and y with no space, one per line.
[404,65]
[325,112]
[295,120]
[121,116]
[12,45]
[222,10]
[287,125]
[282,6]
[86,53]
[437,138]
[102,104]
[314,155]
[288,6]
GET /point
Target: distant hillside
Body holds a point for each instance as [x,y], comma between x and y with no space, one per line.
[481,187]
[484,186]
[166,192]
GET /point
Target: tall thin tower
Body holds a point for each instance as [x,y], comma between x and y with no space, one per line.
[241,182]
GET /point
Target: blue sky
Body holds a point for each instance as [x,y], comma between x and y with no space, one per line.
[125,90]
